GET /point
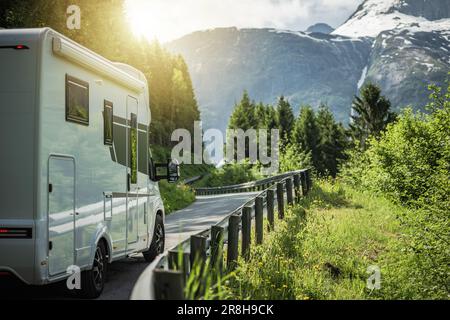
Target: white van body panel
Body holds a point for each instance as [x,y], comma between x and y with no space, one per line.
[60,179]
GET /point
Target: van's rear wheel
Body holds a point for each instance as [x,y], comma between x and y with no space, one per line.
[158,241]
[93,281]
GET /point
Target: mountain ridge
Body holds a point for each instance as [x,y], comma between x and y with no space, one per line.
[314,68]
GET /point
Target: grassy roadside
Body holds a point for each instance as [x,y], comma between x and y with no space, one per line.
[177,196]
[325,252]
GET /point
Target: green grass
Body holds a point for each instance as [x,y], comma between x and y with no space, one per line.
[324,252]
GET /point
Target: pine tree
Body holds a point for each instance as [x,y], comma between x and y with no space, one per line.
[271,118]
[306,133]
[286,119]
[260,115]
[371,114]
[332,142]
[243,116]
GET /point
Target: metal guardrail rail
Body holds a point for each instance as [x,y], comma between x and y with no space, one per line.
[246,187]
[191,180]
[159,282]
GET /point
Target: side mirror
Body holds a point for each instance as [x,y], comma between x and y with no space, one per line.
[173,171]
[169,171]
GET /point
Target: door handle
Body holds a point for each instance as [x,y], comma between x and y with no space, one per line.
[128,182]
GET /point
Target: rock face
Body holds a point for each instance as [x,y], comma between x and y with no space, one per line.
[320,28]
[375,16]
[397,44]
[404,62]
[429,9]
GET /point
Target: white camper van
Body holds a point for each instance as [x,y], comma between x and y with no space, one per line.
[78,187]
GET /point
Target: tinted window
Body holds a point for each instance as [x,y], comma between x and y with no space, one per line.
[77,100]
[108,123]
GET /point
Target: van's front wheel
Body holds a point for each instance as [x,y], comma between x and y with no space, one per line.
[93,281]
[157,246]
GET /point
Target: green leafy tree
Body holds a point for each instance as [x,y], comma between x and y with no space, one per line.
[371,114]
[292,157]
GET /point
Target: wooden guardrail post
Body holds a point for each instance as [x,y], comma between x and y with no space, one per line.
[289,191]
[297,187]
[217,247]
[280,200]
[303,181]
[308,180]
[270,208]
[233,241]
[168,284]
[174,262]
[259,215]
[246,231]
[198,250]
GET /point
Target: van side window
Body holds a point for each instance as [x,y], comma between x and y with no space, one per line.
[77,100]
[108,123]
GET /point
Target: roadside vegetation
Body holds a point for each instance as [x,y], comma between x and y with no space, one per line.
[323,252]
[230,174]
[410,164]
[385,203]
[324,247]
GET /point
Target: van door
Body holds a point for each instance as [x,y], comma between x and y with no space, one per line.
[132,174]
[61,214]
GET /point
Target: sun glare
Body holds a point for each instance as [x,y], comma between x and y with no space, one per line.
[150,20]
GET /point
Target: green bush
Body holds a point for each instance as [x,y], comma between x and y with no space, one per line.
[293,158]
[230,174]
[410,163]
[175,196]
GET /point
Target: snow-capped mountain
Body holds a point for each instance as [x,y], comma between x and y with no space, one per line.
[401,45]
[376,16]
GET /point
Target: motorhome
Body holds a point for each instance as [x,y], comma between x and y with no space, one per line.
[77,181]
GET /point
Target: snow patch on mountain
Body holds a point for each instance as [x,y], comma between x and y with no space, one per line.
[363,77]
[376,16]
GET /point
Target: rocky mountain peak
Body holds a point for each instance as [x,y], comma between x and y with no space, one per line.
[375,16]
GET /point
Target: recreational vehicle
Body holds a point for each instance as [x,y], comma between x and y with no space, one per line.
[77,182]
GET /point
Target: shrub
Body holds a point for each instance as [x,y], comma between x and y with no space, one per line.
[410,163]
[175,196]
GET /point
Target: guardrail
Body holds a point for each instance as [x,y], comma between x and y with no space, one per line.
[165,278]
[248,186]
[191,180]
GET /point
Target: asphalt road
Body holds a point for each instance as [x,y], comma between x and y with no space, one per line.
[122,275]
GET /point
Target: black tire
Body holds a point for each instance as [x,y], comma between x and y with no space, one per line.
[158,241]
[93,281]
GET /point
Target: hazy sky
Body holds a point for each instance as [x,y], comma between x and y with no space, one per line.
[170,19]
